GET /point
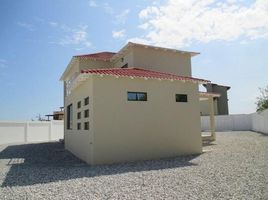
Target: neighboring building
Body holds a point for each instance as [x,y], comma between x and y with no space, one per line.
[220,102]
[139,103]
[57,115]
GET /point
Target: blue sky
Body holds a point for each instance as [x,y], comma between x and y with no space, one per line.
[38,39]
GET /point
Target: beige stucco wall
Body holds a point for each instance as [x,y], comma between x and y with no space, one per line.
[93,64]
[127,59]
[204,107]
[160,127]
[79,142]
[159,60]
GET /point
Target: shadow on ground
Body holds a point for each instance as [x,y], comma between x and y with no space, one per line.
[49,162]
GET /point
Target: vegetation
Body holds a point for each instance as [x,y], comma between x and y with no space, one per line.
[262,100]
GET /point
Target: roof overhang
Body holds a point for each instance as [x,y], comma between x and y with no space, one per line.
[63,76]
[207,95]
[131,44]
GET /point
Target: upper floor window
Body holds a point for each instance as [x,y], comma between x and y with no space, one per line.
[70,117]
[136,96]
[181,98]
[79,104]
[79,115]
[125,65]
[86,101]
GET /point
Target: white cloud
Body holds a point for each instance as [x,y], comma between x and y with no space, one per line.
[122,17]
[119,34]
[3,64]
[53,24]
[25,25]
[76,36]
[107,8]
[92,3]
[179,23]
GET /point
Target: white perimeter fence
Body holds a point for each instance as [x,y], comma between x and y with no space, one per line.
[19,132]
[243,122]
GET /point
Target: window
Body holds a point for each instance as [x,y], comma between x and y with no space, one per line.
[86,126]
[78,126]
[125,66]
[86,101]
[181,98]
[79,115]
[79,104]
[86,113]
[70,117]
[137,96]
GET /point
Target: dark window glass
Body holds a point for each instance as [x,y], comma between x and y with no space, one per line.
[86,101]
[86,126]
[78,126]
[79,104]
[137,96]
[181,98]
[125,66]
[86,113]
[79,115]
[70,116]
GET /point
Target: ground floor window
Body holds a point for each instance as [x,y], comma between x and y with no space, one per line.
[70,116]
[86,126]
[136,96]
[78,126]
[86,113]
[181,98]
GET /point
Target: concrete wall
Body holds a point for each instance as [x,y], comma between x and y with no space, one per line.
[127,59]
[79,142]
[204,107]
[260,122]
[18,132]
[222,102]
[93,64]
[163,61]
[243,122]
[135,130]
[228,122]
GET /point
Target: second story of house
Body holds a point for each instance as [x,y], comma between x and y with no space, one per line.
[133,55]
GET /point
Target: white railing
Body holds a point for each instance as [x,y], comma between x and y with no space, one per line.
[242,122]
[18,132]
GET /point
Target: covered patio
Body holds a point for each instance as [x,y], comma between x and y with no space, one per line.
[209,97]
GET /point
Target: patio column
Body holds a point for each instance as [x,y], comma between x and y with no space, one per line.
[212,118]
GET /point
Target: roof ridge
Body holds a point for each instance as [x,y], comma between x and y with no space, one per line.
[101,52]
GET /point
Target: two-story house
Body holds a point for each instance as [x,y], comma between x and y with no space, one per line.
[139,103]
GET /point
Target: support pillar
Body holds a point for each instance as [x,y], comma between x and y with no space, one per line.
[212,118]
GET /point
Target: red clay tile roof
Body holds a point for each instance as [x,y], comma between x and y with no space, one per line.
[142,73]
[99,56]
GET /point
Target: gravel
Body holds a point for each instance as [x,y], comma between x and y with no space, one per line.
[234,167]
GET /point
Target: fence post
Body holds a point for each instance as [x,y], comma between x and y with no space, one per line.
[50,131]
[26,129]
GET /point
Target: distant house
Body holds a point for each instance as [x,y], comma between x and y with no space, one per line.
[139,103]
[220,101]
[57,115]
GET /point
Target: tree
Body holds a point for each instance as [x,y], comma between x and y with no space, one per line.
[262,100]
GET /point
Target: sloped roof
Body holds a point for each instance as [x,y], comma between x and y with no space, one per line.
[99,56]
[142,73]
[130,44]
